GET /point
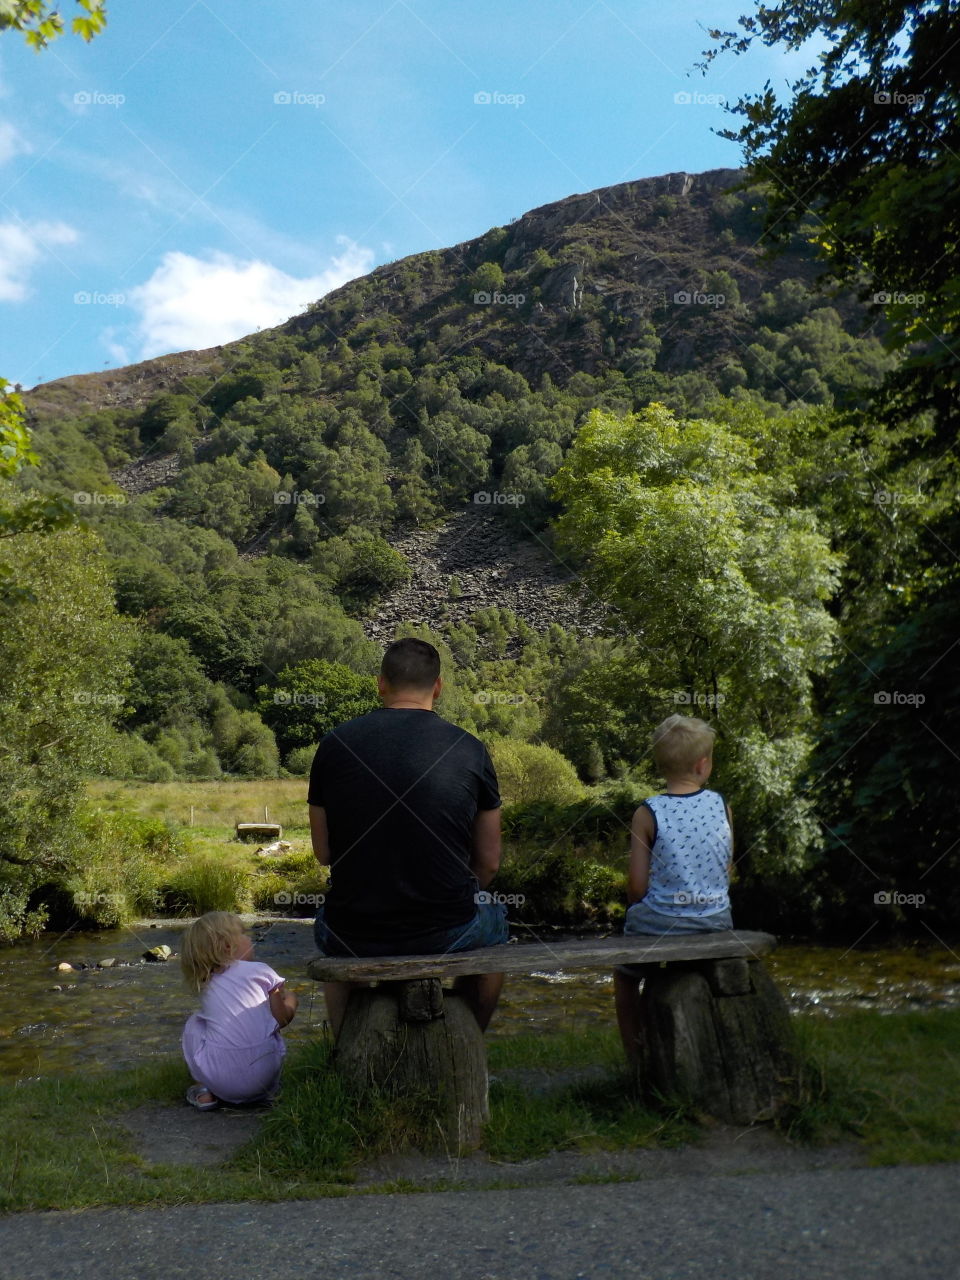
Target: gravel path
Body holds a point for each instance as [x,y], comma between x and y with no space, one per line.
[887,1224]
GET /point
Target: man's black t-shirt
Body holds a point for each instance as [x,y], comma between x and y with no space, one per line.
[401,788]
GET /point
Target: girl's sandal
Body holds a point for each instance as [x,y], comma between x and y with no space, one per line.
[193,1097]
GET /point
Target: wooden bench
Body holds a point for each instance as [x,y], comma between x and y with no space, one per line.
[716,1030]
[258,830]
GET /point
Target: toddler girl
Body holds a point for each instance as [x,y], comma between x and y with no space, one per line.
[233,1046]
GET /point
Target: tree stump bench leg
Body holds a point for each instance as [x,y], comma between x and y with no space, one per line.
[413,1038]
[718,1033]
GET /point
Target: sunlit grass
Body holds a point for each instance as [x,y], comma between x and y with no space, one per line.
[216,805]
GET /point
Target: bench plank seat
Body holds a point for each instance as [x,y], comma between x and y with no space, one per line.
[545,957]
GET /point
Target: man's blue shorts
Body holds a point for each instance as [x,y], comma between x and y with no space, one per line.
[487,928]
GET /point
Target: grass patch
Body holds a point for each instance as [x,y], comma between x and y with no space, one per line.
[216,805]
[64,1150]
[204,883]
[892,1081]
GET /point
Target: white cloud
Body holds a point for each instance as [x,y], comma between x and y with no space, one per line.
[12,142]
[21,248]
[191,303]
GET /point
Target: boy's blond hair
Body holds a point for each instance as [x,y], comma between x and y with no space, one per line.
[208,946]
[679,742]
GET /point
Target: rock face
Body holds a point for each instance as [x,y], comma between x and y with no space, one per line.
[494,567]
[563,286]
[147,473]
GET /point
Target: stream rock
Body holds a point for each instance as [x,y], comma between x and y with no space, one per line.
[158,954]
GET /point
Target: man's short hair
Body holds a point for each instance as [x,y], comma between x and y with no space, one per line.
[410,664]
[679,742]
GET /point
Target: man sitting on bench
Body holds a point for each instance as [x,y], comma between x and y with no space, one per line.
[405,810]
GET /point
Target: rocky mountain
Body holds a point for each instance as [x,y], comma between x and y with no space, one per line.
[571,286]
[403,392]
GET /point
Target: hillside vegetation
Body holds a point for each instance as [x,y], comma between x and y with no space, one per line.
[609,458]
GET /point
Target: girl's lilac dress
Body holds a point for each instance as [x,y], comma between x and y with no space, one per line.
[233,1045]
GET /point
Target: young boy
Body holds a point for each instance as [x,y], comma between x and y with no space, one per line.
[681,853]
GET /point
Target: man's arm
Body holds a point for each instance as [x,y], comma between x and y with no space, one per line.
[642,836]
[318,834]
[485,846]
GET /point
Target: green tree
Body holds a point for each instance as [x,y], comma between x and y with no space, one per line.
[868,146]
[40,22]
[312,698]
[19,513]
[63,650]
[488,278]
[723,581]
[167,683]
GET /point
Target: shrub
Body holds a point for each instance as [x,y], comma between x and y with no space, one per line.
[530,773]
[265,890]
[300,759]
[117,867]
[204,883]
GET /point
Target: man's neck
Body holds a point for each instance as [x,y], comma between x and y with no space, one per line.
[408,702]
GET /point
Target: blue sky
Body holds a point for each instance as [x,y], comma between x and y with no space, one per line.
[208,167]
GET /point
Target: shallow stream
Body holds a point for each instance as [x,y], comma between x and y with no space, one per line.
[53,1022]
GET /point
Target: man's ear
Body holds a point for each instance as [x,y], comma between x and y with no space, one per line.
[438,688]
[382,686]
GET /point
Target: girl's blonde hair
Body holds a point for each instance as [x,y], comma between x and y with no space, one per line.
[208,946]
[679,742]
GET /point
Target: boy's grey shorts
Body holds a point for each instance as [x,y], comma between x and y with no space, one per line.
[641,919]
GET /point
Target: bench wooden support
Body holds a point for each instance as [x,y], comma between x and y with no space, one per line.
[718,1034]
[413,1039]
[716,1030]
